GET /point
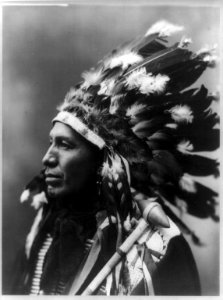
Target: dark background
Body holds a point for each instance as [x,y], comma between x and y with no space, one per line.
[45,50]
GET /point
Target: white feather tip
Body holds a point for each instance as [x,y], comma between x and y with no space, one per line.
[208,55]
[163,29]
[25,196]
[185,147]
[187,183]
[38,200]
[181,113]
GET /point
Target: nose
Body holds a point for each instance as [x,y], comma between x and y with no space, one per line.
[50,158]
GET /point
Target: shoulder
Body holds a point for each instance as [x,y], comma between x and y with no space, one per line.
[176,271]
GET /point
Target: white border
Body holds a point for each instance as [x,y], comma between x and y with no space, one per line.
[188,3]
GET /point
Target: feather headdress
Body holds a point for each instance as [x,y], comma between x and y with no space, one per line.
[137,105]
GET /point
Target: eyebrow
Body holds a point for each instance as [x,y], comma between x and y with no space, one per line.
[61,137]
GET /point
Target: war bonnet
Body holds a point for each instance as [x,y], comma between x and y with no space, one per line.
[138,107]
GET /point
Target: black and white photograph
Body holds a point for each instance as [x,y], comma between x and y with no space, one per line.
[111,148]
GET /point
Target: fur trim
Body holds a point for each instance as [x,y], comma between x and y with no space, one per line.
[33,232]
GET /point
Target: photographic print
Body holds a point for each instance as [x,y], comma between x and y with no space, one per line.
[110,148]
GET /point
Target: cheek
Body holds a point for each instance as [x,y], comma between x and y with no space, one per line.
[78,172]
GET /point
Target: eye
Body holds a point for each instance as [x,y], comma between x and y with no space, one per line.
[66,145]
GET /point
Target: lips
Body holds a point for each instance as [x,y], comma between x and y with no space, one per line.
[51,178]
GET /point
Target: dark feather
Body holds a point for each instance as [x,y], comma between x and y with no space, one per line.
[159,62]
[197,165]
[37,184]
[145,129]
[148,47]
[201,132]
[164,167]
[202,203]
[204,140]
[135,150]
[161,140]
[183,75]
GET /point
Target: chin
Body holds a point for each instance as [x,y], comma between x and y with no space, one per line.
[58,192]
[54,192]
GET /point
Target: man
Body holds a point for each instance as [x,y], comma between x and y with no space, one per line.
[121,149]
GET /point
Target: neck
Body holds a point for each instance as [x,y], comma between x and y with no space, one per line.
[85,201]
